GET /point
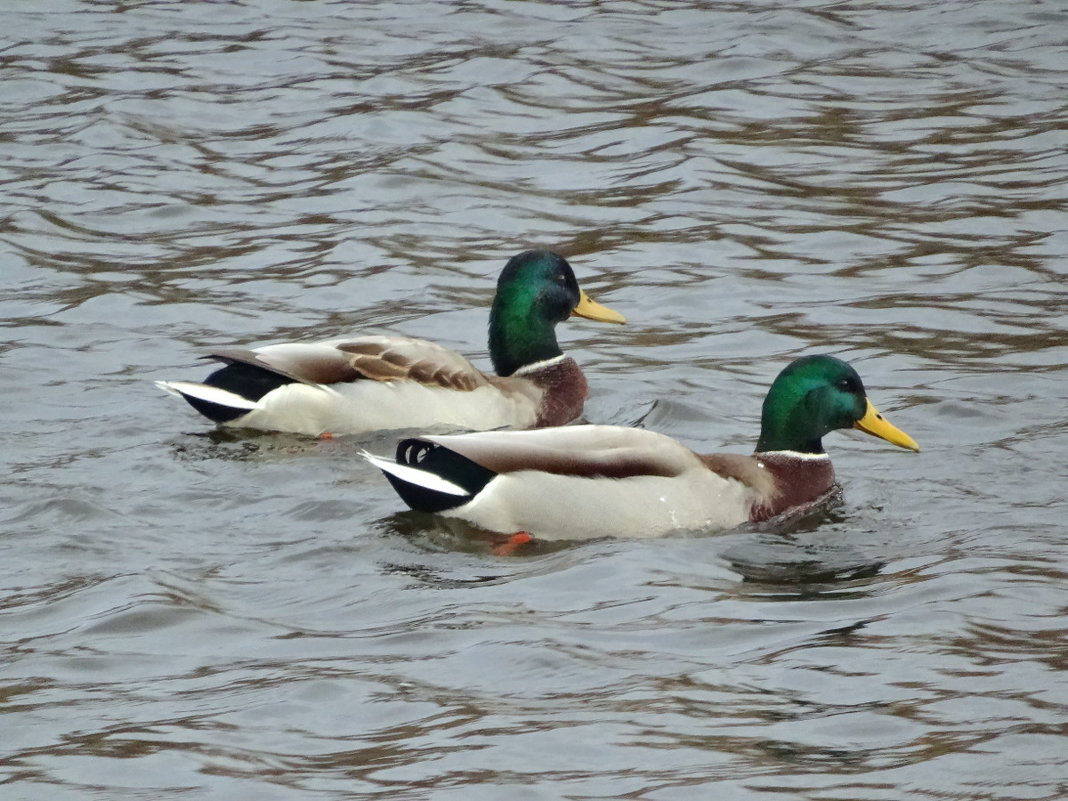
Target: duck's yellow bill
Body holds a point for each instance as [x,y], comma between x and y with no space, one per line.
[878,426]
[592,310]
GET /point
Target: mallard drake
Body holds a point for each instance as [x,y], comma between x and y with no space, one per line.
[598,481]
[349,386]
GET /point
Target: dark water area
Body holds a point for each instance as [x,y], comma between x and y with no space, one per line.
[187,613]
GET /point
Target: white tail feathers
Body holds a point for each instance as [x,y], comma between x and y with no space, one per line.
[413,475]
[207,393]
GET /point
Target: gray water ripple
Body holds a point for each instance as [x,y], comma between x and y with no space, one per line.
[237,615]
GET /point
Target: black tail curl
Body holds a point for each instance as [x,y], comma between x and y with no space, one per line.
[444,463]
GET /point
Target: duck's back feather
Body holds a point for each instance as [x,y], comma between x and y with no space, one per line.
[376,358]
[582,451]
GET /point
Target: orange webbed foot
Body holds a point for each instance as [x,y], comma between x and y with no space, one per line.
[512,544]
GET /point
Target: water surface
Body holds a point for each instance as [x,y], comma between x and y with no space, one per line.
[193,614]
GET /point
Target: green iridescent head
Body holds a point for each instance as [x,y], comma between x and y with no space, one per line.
[813,396]
[537,289]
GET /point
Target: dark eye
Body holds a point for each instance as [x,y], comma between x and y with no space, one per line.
[845,385]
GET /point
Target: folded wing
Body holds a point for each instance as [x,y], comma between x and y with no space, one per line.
[376,358]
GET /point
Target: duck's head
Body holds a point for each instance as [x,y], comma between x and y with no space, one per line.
[537,289]
[815,395]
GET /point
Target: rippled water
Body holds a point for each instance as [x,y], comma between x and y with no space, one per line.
[194,614]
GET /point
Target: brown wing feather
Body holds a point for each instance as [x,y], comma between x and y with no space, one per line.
[307,364]
[405,358]
[585,451]
[376,358]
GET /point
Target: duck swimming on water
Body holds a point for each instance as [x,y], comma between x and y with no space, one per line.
[355,385]
[589,481]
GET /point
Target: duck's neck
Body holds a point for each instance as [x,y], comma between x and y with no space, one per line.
[787,424]
[786,440]
[519,337]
